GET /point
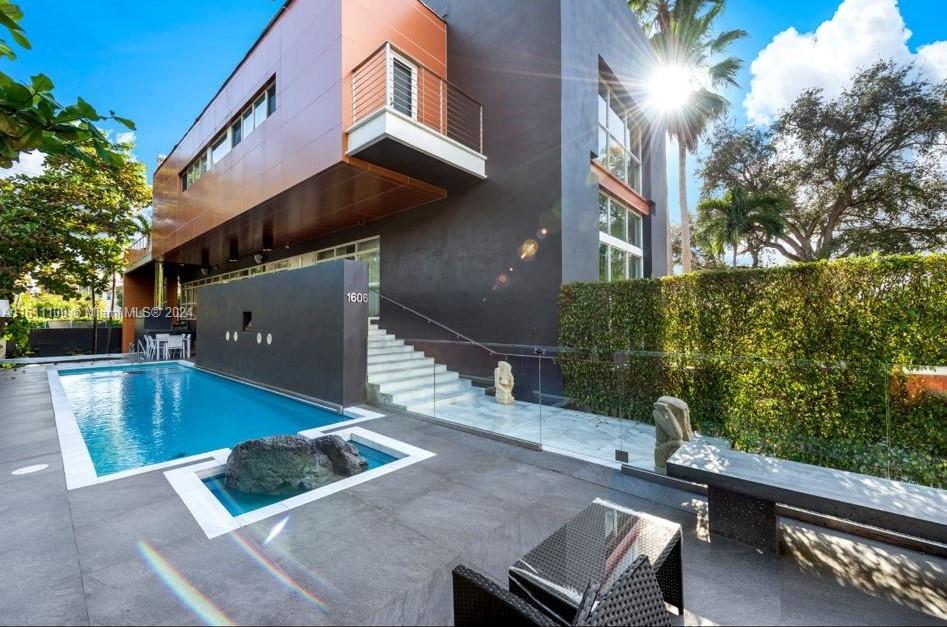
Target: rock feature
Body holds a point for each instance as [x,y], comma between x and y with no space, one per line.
[503,382]
[287,464]
[672,427]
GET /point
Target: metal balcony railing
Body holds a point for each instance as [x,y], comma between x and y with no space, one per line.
[391,79]
[138,249]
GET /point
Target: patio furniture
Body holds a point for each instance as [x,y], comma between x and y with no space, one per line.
[634,599]
[151,347]
[162,339]
[598,546]
[175,345]
[743,489]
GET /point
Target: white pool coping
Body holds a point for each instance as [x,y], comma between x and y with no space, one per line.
[214,519]
[77,462]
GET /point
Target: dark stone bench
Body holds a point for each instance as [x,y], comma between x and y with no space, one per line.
[743,490]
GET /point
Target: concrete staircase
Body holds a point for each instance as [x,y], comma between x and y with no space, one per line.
[407,379]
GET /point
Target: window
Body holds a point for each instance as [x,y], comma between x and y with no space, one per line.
[220,148]
[253,116]
[619,136]
[403,86]
[247,320]
[619,250]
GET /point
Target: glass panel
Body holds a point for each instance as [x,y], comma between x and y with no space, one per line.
[617,161]
[616,118]
[235,133]
[220,148]
[602,104]
[634,175]
[602,150]
[323,255]
[619,257]
[402,97]
[634,229]
[270,100]
[634,266]
[371,244]
[248,122]
[619,221]
[603,213]
[259,110]
[343,251]
[603,262]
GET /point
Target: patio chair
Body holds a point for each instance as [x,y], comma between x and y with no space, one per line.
[175,344]
[161,345]
[635,599]
[151,348]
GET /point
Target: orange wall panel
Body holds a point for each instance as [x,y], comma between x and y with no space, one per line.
[138,291]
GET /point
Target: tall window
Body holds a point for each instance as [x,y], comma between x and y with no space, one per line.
[262,107]
[619,136]
[403,86]
[619,249]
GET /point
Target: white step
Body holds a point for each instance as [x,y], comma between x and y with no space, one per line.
[425,392]
[429,381]
[416,360]
[389,350]
[388,358]
[384,342]
[426,367]
[430,408]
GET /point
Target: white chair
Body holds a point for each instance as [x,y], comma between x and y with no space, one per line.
[151,347]
[175,344]
[161,345]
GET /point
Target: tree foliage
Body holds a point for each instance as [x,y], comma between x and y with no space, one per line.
[806,362]
[32,119]
[864,172]
[738,217]
[68,227]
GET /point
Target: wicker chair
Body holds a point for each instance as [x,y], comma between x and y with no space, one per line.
[635,599]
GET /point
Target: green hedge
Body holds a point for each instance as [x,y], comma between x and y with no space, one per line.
[802,362]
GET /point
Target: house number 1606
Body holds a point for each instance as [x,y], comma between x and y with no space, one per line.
[356,297]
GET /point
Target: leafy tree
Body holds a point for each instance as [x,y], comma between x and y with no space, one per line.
[69,226]
[864,172]
[737,216]
[681,35]
[32,119]
[701,258]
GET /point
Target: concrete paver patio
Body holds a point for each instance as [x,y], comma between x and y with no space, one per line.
[129,552]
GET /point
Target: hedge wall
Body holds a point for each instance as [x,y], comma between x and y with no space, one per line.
[802,362]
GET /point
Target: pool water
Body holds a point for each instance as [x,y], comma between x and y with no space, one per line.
[138,415]
[237,502]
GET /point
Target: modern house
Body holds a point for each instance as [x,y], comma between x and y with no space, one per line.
[477,155]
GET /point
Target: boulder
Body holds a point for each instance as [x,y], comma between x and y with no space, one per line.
[288,464]
[345,458]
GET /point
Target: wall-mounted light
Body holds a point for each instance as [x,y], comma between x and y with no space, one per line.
[258,258]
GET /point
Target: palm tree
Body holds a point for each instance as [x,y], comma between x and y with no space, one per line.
[738,215]
[681,37]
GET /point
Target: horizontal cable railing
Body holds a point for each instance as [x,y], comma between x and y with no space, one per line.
[389,78]
[138,249]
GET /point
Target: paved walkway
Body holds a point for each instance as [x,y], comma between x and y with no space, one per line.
[129,552]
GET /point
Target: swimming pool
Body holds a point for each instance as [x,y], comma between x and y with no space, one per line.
[133,416]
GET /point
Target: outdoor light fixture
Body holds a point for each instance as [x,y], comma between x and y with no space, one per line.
[258,258]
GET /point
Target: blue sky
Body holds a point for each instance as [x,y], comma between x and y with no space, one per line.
[160,62]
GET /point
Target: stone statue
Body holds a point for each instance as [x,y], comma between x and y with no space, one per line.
[503,381]
[672,427]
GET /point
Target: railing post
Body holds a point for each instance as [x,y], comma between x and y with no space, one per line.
[443,125]
[389,85]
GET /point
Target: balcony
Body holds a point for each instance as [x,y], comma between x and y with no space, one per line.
[139,250]
[407,118]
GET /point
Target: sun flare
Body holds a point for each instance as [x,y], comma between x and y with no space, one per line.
[670,87]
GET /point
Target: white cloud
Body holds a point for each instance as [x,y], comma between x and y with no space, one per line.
[860,33]
[127,137]
[31,164]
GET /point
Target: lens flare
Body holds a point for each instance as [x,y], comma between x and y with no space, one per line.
[670,88]
[277,529]
[189,596]
[276,572]
[528,249]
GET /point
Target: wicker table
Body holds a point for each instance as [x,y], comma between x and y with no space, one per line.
[596,547]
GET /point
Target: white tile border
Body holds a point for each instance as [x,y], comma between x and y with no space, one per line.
[214,519]
[77,462]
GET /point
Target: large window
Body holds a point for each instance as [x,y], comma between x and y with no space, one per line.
[619,136]
[260,108]
[619,249]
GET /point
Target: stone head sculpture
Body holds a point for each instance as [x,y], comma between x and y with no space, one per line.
[672,427]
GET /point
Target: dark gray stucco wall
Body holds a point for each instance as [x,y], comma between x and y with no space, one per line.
[319,335]
[606,30]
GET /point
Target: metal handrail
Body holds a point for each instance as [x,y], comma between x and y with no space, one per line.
[430,320]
